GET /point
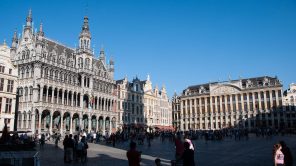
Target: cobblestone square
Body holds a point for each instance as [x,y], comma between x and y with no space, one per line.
[255,151]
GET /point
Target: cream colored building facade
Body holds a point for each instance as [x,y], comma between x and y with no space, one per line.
[290,103]
[63,89]
[157,107]
[244,103]
[143,106]
[8,78]
[130,104]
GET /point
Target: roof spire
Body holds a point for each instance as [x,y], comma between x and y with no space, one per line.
[29,18]
[40,32]
[85,37]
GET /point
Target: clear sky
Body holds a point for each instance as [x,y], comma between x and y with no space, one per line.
[178,43]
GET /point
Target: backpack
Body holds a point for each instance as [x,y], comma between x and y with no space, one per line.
[80,146]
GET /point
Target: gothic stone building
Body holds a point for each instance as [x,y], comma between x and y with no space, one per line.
[62,89]
[244,103]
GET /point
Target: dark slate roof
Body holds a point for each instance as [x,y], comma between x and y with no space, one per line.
[254,80]
[54,45]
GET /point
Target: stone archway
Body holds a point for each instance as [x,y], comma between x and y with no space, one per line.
[101,123]
[94,123]
[45,120]
[107,126]
[85,122]
[66,121]
[56,121]
[75,122]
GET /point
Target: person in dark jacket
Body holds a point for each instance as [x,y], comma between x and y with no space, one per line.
[288,160]
[188,155]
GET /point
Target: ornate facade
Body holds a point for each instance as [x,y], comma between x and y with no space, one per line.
[290,103]
[130,104]
[142,106]
[8,78]
[63,89]
[247,103]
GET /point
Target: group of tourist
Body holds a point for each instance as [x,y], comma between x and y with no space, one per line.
[75,149]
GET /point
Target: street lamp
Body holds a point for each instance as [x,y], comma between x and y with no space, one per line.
[16,109]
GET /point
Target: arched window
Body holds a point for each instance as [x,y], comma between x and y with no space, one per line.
[54,58]
[23,73]
[29,120]
[26,93]
[61,76]
[31,93]
[28,54]
[27,72]
[70,79]
[25,120]
[87,63]
[65,77]
[56,75]
[80,63]
[23,54]
[32,72]
[51,74]
[46,73]
[19,120]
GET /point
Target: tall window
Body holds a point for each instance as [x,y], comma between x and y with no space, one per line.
[10,86]
[27,73]
[1,84]
[2,68]
[31,93]
[0,104]
[19,124]
[8,105]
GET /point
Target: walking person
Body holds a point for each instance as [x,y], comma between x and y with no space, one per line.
[133,156]
[188,155]
[278,155]
[65,146]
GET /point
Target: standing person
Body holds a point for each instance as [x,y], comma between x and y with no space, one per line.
[42,141]
[288,160]
[188,155]
[133,156]
[57,139]
[278,155]
[157,162]
[75,151]
[65,146]
[69,149]
[83,140]
[179,147]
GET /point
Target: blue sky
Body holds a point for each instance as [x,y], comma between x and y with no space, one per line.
[178,43]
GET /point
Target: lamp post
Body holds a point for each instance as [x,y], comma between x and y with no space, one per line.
[16,109]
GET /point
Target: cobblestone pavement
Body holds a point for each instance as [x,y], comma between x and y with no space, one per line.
[254,152]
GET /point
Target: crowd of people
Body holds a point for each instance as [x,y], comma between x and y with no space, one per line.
[75,146]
